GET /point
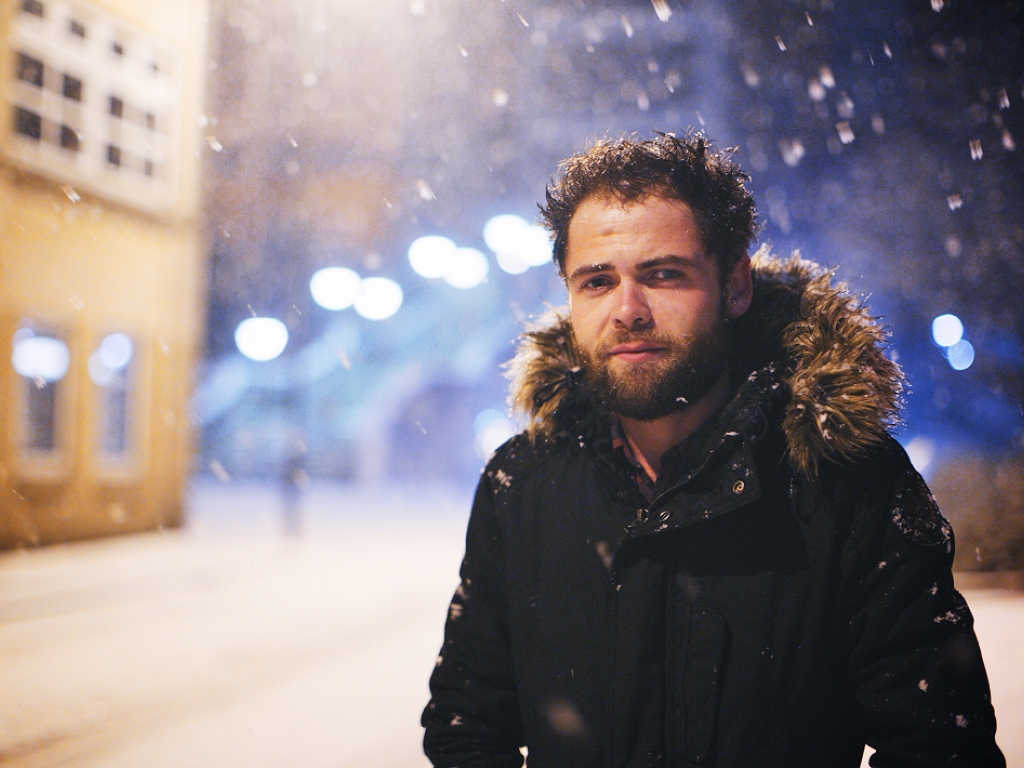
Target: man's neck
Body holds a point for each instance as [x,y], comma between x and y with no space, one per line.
[649,440]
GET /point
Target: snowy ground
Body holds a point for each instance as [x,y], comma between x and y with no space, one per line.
[229,644]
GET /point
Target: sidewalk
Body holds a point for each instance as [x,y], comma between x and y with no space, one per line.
[229,644]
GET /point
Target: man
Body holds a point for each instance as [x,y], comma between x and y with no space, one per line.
[705,549]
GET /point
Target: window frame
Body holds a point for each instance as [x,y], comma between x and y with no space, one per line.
[110,468]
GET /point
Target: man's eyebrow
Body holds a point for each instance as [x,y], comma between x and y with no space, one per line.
[670,260]
[589,269]
[660,261]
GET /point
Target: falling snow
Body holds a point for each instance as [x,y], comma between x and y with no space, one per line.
[661,7]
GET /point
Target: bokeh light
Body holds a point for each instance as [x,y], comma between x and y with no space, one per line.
[960,355]
[468,268]
[492,428]
[947,330]
[503,233]
[116,351]
[432,255]
[113,354]
[261,338]
[921,451]
[40,357]
[334,288]
[517,244]
[536,246]
[379,298]
[101,373]
[511,263]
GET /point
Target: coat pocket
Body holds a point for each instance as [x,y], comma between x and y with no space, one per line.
[696,648]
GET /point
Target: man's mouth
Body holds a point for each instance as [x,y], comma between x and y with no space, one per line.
[635,351]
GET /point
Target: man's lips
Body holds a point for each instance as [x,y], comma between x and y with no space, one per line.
[635,351]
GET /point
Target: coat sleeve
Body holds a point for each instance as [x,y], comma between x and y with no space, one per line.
[915,667]
[472,719]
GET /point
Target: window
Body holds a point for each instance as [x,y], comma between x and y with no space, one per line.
[28,123]
[42,361]
[30,70]
[89,97]
[72,88]
[41,416]
[32,7]
[69,138]
[110,368]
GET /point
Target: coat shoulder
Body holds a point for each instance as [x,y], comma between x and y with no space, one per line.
[526,455]
[892,497]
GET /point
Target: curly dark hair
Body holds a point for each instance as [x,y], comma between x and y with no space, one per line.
[685,168]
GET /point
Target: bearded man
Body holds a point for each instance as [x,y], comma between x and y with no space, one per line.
[705,549]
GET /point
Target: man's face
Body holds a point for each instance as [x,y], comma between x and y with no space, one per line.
[647,305]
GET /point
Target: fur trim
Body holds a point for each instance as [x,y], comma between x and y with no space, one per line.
[544,372]
[844,393]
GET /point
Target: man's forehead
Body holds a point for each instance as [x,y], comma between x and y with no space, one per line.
[607,209]
[651,216]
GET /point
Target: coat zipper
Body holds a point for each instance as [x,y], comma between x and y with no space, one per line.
[610,754]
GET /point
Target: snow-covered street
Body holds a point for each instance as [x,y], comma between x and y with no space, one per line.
[230,644]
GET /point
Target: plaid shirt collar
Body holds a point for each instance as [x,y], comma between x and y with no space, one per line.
[621,448]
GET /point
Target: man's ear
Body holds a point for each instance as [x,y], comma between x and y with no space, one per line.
[739,289]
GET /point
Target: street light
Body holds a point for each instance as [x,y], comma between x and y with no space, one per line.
[261,338]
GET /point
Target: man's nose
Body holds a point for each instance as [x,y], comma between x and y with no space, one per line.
[633,312]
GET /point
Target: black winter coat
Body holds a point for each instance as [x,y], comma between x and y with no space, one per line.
[781,602]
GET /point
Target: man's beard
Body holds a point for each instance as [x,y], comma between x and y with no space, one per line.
[646,391]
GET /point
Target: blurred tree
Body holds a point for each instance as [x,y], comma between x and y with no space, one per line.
[984,501]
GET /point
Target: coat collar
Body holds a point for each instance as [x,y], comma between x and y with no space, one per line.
[804,335]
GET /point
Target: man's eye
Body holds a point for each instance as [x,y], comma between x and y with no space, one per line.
[595,283]
[661,275]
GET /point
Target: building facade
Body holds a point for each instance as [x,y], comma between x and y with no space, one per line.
[101,263]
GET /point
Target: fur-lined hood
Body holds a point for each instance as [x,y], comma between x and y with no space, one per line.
[844,394]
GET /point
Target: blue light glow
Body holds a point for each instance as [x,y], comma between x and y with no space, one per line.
[261,338]
[379,298]
[334,288]
[468,268]
[517,244]
[40,357]
[921,451]
[947,330]
[492,428]
[960,355]
[431,256]
[116,351]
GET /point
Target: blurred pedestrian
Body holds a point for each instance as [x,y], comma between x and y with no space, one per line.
[293,477]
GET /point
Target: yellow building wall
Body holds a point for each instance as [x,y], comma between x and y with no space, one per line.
[86,267]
